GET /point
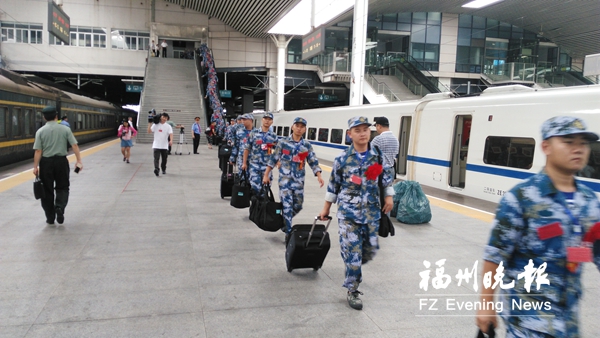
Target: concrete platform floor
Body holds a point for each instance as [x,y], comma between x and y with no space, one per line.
[141,256]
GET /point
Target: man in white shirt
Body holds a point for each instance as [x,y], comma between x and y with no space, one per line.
[163,133]
[164,46]
[387,143]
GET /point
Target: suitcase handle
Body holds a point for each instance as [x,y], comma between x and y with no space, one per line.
[329,218]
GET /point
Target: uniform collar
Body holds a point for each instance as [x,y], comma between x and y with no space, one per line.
[547,187]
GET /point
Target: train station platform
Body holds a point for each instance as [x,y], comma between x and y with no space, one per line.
[146,256]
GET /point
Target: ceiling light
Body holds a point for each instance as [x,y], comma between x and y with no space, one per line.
[480,3]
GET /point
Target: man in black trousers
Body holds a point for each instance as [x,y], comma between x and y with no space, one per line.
[50,147]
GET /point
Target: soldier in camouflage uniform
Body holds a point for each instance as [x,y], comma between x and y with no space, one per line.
[292,152]
[241,138]
[260,146]
[230,131]
[539,221]
[354,185]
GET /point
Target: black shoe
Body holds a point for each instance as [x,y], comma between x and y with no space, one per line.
[124,158]
[354,301]
[164,172]
[156,172]
[60,216]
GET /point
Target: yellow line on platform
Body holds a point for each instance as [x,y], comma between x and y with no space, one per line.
[450,206]
[27,175]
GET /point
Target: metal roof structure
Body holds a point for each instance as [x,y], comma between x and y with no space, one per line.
[574,25]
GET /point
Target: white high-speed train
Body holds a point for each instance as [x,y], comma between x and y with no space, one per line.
[474,146]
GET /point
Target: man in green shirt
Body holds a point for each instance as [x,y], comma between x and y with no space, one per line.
[50,147]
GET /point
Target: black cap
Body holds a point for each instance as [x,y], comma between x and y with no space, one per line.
[382,120]
[49,110]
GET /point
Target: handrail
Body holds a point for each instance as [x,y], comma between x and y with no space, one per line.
[142,94]
[199,75]
[382,88]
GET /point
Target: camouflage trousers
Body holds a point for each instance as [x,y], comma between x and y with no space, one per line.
[358,244]
[256,176]
[292,204]
[567,317]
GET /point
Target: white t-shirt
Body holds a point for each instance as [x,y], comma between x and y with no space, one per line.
[164,45]
[161,135]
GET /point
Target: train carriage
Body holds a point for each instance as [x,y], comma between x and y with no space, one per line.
[21,104]
[476,146]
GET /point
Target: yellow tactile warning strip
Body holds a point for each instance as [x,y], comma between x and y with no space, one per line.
[450,206]
[27,175]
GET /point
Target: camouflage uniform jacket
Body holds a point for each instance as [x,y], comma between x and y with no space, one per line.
[229,131]
[514,240]
[241,137]
[291,169]
[357,201]
[260,145]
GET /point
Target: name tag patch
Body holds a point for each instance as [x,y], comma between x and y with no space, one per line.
[549,231]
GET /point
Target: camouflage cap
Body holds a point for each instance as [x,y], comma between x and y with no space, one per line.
[566,125]
[239,117]
[300,120]
[248,117]
[268,115]
[357,121]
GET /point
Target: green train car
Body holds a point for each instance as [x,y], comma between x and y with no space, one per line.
[21,104]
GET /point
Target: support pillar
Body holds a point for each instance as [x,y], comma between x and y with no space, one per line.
[271,96]
[359,40]
[281,43]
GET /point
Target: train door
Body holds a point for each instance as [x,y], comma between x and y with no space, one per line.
[404,137]
[460,149]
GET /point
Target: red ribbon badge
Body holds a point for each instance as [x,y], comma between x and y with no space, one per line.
[302,157]
[374,171]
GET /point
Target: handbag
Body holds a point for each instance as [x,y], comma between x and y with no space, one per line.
[265,212]
[240,193]
[38,188]
[386,227]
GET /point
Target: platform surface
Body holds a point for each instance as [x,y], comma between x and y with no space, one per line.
[141,256]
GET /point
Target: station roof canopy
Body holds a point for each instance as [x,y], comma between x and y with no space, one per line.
[574,25]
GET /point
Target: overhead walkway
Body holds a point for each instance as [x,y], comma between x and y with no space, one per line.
[172,86]
[390,79]
[541,75]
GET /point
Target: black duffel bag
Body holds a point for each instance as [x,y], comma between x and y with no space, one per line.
[225,150]
[265,212]
[240,193]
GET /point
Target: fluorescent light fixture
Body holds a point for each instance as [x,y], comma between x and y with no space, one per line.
[480,3]
[297,21]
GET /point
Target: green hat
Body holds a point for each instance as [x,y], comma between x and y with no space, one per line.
[49,110]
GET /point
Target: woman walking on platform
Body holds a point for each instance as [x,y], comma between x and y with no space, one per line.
[126,133]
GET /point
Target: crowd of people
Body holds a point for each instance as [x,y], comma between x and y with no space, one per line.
[549,221]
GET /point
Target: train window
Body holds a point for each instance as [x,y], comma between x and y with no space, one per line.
[286,131]
[39,120]
[312,133]
[513,152]
[15,122]
[279,130]
[3,117]
[79,123]
[337,135]
[323,134]
[27,122]
[592,169]
[348,139]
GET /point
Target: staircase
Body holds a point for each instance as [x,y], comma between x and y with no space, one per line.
[399,89]
[171,86]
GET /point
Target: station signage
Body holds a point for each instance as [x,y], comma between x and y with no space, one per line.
[59,23]
[313,43]
[327,98]
[225,94]
[131,88]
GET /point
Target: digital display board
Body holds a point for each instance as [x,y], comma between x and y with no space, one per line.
[59,23]
[313,43]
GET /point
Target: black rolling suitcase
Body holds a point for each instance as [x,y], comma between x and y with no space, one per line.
[227,180]
[307,246]
[224,153]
